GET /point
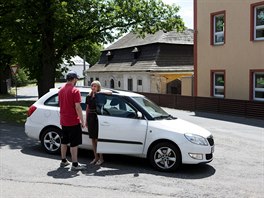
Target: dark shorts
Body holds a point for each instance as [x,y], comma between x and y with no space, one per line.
[72,135]
[92,122]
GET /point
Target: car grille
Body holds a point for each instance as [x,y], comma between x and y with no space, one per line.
[209,156]
[211,140]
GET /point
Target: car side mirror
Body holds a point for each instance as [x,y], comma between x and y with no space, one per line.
[139,114]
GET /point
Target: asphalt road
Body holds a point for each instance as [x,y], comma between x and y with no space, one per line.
[236,171]
[27,93]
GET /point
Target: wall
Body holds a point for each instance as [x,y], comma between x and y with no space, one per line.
[105,79]
[187,86]
[237,56]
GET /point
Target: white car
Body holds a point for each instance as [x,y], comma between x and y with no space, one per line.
[129,124]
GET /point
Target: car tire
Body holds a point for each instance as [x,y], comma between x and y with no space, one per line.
[165,157]
[51,140]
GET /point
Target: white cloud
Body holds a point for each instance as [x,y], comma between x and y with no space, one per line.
[186,10]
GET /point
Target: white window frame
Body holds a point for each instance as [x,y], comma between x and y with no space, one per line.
[218,33]
[139,86]
[257,89]
[217,86]
[259,27]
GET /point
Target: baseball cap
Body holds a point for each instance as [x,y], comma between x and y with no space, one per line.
[71,75]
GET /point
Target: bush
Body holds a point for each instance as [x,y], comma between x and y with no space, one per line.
[21,78]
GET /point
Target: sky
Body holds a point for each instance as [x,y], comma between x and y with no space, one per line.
[186,10]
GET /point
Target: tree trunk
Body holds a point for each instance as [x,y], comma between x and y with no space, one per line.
[3,85]
[47,79]
[48,67]
[48,64]
[4,76]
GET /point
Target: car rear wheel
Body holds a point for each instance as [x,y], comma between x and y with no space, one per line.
[51,140]
[165,157]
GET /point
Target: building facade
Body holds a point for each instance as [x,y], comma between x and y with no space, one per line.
[229,49]
[76,64]
[154,64]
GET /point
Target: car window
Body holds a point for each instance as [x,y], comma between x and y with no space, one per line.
[113,105]
[52,101]
[83,96]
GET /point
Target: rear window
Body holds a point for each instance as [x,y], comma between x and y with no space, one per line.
[54,100]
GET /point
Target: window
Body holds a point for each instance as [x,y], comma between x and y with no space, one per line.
[116,106]
[257,21]
[91,80]
[218,28]
[130,84]
[258,86]
[112,84]
[154,110]
[83,103]
[139,85]
[52,101]
[218,87]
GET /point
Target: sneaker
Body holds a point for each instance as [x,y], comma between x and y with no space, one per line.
[79,167]
[64,164]
[99,162]
[94,161]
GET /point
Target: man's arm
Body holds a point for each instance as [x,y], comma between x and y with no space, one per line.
[79,113]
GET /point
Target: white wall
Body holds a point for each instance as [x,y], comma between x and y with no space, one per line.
[105,79]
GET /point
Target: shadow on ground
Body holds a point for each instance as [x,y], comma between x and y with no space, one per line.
[230,118]
[14,137]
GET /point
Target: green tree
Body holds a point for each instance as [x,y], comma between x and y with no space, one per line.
[40,33]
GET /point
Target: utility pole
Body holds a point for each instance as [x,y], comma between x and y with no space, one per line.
[14,69]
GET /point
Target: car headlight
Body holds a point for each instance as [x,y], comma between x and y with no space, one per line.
[196,139]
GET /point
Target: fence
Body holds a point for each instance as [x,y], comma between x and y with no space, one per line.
[212,105]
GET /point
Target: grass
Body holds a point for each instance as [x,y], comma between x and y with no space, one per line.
[14,112]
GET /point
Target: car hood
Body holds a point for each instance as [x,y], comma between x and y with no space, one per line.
[179,126]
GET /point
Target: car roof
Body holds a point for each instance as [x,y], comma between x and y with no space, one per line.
[114,91]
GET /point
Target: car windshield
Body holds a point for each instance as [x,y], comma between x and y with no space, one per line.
[154,110]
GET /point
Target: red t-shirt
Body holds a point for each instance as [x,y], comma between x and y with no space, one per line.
[68,96]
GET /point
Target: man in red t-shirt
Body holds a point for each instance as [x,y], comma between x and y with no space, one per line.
[71,120]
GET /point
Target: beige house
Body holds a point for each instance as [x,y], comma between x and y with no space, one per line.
[229,49]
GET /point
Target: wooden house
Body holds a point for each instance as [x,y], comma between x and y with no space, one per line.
[154,64]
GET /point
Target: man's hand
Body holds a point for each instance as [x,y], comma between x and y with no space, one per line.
[79,113]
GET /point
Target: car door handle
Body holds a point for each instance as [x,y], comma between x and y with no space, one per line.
[105,124]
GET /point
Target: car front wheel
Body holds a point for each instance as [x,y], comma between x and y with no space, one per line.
[51,140]
[165,157]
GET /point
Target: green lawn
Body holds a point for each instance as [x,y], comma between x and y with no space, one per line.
[14,112]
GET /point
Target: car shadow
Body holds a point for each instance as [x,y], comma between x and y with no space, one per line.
[118,165]
[14,137]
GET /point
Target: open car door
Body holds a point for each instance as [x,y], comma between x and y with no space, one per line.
[121,128]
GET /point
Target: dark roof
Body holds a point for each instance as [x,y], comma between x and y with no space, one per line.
[173,37]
